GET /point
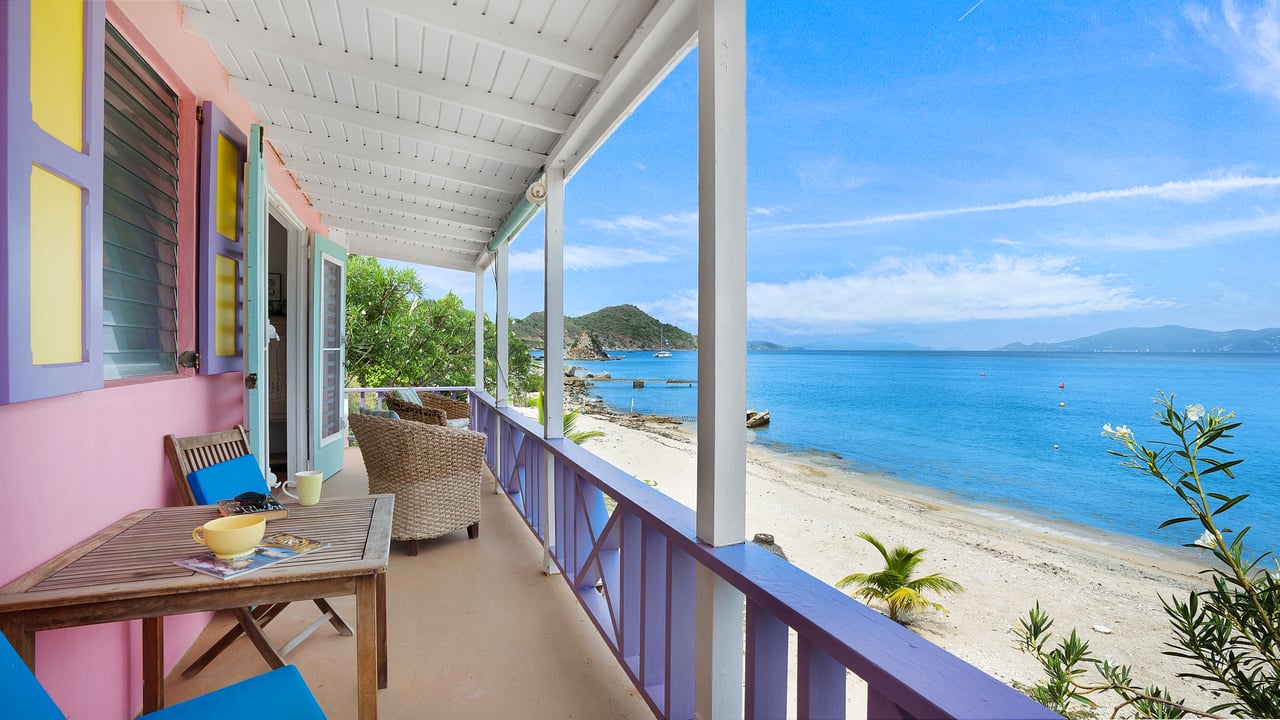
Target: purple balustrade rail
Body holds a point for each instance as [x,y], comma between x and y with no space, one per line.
[633,568]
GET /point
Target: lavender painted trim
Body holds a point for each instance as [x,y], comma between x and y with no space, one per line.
[25,144]
[212,244]
[766,664]
[908,675]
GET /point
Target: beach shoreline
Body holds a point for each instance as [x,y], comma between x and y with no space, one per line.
[1105,585]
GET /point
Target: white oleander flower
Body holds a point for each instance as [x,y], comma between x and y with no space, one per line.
[1195,412]
[1205,540]
[1122,431]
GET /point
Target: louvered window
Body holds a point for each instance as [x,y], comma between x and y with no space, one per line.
[140,217]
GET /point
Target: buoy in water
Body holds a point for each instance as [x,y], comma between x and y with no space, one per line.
[1062,386]
[1055,447]
[1062,404]
[982,374]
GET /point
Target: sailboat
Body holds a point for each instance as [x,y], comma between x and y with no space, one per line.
[663,352]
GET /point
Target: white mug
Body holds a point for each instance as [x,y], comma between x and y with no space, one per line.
[307,483]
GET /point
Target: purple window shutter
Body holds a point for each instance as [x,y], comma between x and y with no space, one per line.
[27,151]
[220,298]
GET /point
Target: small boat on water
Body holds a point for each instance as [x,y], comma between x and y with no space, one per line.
[662,353]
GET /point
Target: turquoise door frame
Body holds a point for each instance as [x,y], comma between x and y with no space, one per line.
[328,350]
[255,308]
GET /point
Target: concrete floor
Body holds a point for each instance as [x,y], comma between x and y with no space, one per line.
[475,630]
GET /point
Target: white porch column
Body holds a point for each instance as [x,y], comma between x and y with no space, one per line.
[553,357]
[722,345]
[479,372]
[500,319]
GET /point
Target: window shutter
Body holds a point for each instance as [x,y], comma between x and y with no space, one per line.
[51,158]
[222,225]
[140,227]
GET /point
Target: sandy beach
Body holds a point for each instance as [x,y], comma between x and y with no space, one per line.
[1105,586]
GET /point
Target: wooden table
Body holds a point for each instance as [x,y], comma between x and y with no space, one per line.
[126,572]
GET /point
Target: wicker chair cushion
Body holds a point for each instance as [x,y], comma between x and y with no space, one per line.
[408,411]
[380,413]
[407,395]
[434,472]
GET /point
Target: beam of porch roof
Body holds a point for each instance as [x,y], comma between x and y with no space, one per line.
[239,34]
[499,33]
[381,246]
[667,34]
[271,95]
[391,158]
[332,209]
[405,234]
[430,212]
[388,184]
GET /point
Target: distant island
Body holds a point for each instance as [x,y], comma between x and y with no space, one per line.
[618,327]
[1167,339]
[627,328]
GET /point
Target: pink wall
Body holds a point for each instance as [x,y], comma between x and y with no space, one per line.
[77,463]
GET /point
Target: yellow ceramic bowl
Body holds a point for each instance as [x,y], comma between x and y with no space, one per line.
[231,537]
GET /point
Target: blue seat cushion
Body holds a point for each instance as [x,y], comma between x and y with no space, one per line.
[227,479]
[281,694]
[380,413]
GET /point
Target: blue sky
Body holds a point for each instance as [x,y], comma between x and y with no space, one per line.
[955,176]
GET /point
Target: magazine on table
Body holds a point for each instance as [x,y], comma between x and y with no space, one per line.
[274,548]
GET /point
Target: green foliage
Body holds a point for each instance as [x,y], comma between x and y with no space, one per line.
[398,337]
[570,422]
[894,585]
[1228,633]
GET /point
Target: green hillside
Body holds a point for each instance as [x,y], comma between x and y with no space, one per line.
[620,327]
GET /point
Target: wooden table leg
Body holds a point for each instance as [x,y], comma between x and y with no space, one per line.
[22,640]
[367,647]
[152,664]
[382,629]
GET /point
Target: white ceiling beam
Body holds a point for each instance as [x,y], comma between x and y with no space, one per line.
[388,184]
[280,97]
[332,209]
[499,33]
[238,34]
[331,144]
[429,212]
[408,234]
[667,34]
[391,248]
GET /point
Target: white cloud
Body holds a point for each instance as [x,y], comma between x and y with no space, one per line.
[768,211]
[669,225]
[1250,38]
[1177,190]
[1183,236]
[940,289]
[585,257]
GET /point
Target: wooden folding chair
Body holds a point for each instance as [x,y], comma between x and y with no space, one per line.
[189,454]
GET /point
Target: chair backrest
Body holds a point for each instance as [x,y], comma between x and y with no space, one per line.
[409,411]
[188,454]
[23,695]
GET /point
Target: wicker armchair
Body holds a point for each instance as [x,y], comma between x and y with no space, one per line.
[453,409]
[408,411]
[434,473]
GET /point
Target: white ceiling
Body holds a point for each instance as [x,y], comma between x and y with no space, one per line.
[415,126]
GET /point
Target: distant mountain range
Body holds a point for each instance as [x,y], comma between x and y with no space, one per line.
[1167,338]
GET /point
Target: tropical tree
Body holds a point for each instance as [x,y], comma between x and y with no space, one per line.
[398,336]
[894,585]
[570,422]
[1229,633]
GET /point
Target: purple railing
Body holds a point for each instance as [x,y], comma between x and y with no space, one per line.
[633,569]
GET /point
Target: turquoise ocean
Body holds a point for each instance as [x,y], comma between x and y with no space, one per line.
[1016,431]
